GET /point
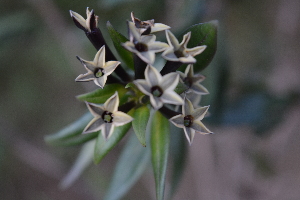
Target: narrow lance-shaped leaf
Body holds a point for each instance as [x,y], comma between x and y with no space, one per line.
[103,146]
[139,124]
[118,39]
[99,96]
[83,160]
[131,165]
[160,141]
[70,132]
[203,34]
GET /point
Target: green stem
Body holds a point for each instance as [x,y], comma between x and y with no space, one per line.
[139,67]
[168,113]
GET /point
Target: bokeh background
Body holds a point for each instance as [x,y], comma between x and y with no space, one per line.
[254,82]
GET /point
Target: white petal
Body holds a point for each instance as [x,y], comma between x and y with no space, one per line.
[168,54]
[107,130]
[130,47]
[94,125]
[199,89]
[157,46]
[187,108]
[156,102]
[85,77]
[89,65]
[147,56]
[99,59]
[172,40]
[134,34]
[152,76]
[120,118]
[178,121]
[196,50]
[171,97]
[189,59]
[189,70]
[199,113]
[159,27]
[110,66]
[100,81]
[95,109]
[78,18]
[185,39]
[169,81]
[112,103]
[199,127]
[189,134]
[146,39]
[143,86]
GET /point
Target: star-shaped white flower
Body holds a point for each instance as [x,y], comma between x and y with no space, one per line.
[179,52]
[159,88]
[193,81]
[143,46]
[98,69]
[89,24]
[190,120]
[148,26]
[106,117]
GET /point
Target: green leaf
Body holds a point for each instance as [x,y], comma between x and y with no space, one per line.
[203,34]
[99,96]
[178,153]
[180,88]
[83,160]
[118,39]
[72,134]
[160,141]
[131,165]
[139,124]
[103,146]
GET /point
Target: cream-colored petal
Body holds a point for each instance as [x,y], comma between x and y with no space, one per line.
[199,113]
[199,89]
[157,46]
[89,65]
[152,76]
[143,86]
[187,108]
[178,121]
[130,47]
[120,118]
[112,103]
[94,125]
[171,97]
[168,54]
[110,66]
[189,71]
[156,102]
[196,50]
[185,40]
[147,39]
[134,33]
[181,76]
[189,59]
[85,77]
[147,56]
[159,27]
[96,110]
[88,18]
[99,59]
[107,130]
[172,40]
[100,81]
[78,18]
[189,134]
[169,81]
[199,127]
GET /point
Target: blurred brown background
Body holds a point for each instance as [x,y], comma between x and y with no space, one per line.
[253,79]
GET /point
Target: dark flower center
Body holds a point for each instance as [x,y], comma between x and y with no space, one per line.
[178,53]
[187,81]
[107,117]
[188,120]
[156,91]
[141,47]
[98,72]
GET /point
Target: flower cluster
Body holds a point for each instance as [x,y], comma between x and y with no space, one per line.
[158,89]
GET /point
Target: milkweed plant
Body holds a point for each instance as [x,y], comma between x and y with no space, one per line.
[136,98]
